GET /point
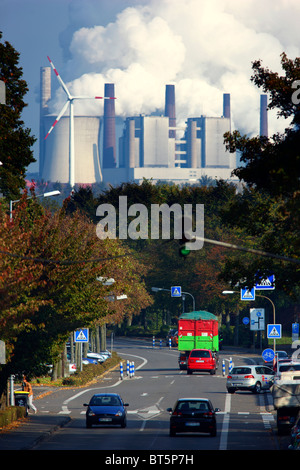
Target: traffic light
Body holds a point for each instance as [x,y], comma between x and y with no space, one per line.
[186,226]
[183,250]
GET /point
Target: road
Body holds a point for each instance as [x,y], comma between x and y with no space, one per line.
[246,421]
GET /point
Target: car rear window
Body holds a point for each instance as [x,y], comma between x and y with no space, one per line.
[193,405]
[241,370]
[200,353]
[289,367]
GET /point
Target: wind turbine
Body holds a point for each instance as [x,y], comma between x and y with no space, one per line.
[70,103]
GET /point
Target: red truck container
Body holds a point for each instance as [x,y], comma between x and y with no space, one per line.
[196,330]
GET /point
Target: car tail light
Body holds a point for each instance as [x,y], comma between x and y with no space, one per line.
[207,414]
[229,376]
[249,376]
[176,413]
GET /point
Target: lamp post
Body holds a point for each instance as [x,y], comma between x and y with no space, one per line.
[157,289]
[50,193]
[228,292]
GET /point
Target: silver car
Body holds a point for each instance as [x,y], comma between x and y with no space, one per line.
[250,377]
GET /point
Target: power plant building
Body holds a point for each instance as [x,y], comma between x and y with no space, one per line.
[148,147]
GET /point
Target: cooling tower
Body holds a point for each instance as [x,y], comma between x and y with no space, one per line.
[263,115]
[226,105]
[109,129]
[170,108]
[56,151]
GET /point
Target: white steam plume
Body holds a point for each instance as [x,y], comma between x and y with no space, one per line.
[204,47]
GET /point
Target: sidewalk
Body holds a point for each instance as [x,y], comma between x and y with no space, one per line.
[26,433]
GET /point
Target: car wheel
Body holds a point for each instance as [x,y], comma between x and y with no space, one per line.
[231,390]
[189,372]
[88,425]
[257,387]
[212,372]
[213,433]
[172,433]
[123,424]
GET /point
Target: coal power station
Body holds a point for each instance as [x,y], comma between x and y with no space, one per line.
[148,146]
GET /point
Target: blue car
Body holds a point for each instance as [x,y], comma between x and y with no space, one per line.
[106,409]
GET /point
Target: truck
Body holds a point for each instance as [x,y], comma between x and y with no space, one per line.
[197,330]
[286,396]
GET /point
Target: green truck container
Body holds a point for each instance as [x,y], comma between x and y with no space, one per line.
[198,330]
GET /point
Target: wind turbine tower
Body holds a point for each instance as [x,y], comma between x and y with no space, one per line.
[70,103]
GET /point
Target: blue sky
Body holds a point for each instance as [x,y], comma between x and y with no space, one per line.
[205,47]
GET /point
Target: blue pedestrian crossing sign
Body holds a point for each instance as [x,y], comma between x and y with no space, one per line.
[248,294]
[176,291]
[274,331]
[81,336]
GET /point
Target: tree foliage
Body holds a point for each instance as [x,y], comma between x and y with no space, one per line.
[15,139]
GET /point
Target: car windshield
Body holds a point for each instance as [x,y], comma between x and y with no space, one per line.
[241,370]
[105,401]
[200,354]
[193,405]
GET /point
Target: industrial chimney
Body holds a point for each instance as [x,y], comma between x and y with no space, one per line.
[109,128]
[170,108]
[226,105]
[264,115]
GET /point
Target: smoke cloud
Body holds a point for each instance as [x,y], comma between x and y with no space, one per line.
[205,47]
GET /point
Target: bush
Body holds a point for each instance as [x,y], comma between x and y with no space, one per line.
[11,414]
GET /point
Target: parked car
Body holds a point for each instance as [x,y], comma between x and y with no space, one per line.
[99,357]
[201,360]
[250,377]
[89,360]
[106,409]
[193,415]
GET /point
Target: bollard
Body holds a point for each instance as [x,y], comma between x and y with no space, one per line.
[230,364]
[170,343]
[153,342]
[132,369]
[160,343]
[223,368]
[121,370]
[127,368]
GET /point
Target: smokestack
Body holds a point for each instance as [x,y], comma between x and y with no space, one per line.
[109,128]
[226,105]
[263,115]
[170,108]
[45,96]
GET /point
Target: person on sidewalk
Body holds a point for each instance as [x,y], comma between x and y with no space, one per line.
[28,388]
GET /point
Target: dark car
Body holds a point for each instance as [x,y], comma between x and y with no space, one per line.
[106,409]
[193,415]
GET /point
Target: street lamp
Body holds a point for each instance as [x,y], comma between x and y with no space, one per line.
[228,292]
[157,289]
[50,193]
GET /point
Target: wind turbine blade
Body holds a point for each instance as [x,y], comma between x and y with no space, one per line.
[58,118]
[105,98]
[59,78]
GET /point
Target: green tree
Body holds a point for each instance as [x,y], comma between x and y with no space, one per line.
[268,208]
[15,139]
